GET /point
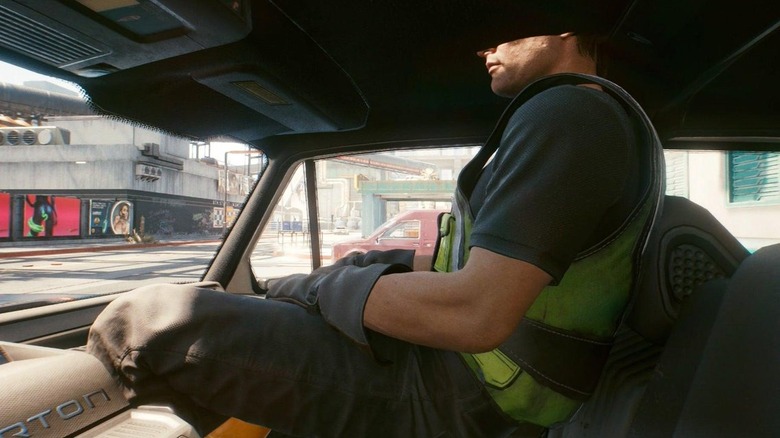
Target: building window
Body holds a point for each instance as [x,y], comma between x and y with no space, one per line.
[676,173]
[754,177]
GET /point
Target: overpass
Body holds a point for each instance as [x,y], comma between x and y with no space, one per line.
[375,195]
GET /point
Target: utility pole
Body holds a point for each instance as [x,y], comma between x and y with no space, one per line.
[225,202]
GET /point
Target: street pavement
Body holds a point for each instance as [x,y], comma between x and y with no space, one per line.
[65,271]
[68,270]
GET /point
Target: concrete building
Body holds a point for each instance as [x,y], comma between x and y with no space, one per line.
[92,176]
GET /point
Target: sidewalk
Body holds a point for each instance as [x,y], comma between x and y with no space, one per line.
[31,248]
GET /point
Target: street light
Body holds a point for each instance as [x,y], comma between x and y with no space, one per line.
[225,202]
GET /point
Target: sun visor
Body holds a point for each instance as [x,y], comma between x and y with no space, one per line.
[298,113]
[284,75]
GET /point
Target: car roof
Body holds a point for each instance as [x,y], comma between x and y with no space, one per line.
[315,76]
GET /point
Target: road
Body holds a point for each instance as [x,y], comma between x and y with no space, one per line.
[71,275]
[64,276]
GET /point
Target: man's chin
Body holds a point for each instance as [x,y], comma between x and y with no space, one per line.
[502,90]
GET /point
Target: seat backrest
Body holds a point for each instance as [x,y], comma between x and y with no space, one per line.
[734,391]
[659,409]
[688,253]
[687,247]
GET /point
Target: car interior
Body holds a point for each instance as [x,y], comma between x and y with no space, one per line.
[697,352]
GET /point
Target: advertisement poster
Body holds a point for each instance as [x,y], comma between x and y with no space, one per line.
[108,218]
[122,218]
[218,215]
[99,213]
[51,216]
[5,215]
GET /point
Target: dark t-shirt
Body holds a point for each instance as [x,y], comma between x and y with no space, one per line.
[565,177]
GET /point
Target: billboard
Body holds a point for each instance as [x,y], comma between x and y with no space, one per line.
[51,216]
[108,217]
[5,215]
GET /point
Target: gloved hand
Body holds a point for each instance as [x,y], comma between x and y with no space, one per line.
[339,292]
[391,257]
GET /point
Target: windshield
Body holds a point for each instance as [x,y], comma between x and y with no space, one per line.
[91,205]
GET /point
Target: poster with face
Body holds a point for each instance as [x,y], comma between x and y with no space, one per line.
[51,216]
[122,218]
[5,215]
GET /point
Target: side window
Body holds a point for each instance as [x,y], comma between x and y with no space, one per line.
[741,189]
[380,200]
[284,246]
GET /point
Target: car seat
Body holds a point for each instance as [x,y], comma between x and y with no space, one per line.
[689,256]
[731,390]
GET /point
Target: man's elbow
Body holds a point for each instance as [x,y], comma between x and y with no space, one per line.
[486,335]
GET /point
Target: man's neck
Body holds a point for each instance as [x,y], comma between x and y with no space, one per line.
[578,64]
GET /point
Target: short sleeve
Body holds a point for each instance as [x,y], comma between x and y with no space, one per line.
[561,165]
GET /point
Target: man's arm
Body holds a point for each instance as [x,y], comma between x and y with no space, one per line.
[423,262]
[471,310]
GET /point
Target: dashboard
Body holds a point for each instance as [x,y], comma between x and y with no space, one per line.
[50,392]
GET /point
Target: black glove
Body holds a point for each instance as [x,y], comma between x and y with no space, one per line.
[390,257]
[339,292]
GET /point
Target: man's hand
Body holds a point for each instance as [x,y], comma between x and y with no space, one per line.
[404,257]
[339,292]
[303,289]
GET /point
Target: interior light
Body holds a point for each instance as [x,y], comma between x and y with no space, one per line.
[261,92]
[107,5]
[141,18]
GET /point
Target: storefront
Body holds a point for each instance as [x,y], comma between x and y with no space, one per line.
[47,216]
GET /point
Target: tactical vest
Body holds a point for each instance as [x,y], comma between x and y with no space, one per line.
[553,360]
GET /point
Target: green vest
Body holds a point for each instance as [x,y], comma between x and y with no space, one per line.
[553,360]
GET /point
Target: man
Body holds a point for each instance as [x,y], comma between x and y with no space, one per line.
[559,196]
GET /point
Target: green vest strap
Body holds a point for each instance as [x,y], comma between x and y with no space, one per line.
[548,353]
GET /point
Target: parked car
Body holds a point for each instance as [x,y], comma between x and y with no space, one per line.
[412,229]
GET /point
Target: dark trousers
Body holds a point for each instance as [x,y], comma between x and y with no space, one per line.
[274,364]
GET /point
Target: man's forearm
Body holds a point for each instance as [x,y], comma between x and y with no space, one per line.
[423,262]
[421,308]
[471,310]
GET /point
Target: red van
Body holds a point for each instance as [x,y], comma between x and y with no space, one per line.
[412,229]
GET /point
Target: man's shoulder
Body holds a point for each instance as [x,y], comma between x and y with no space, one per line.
[571,116]
[568,95]
[569,103]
